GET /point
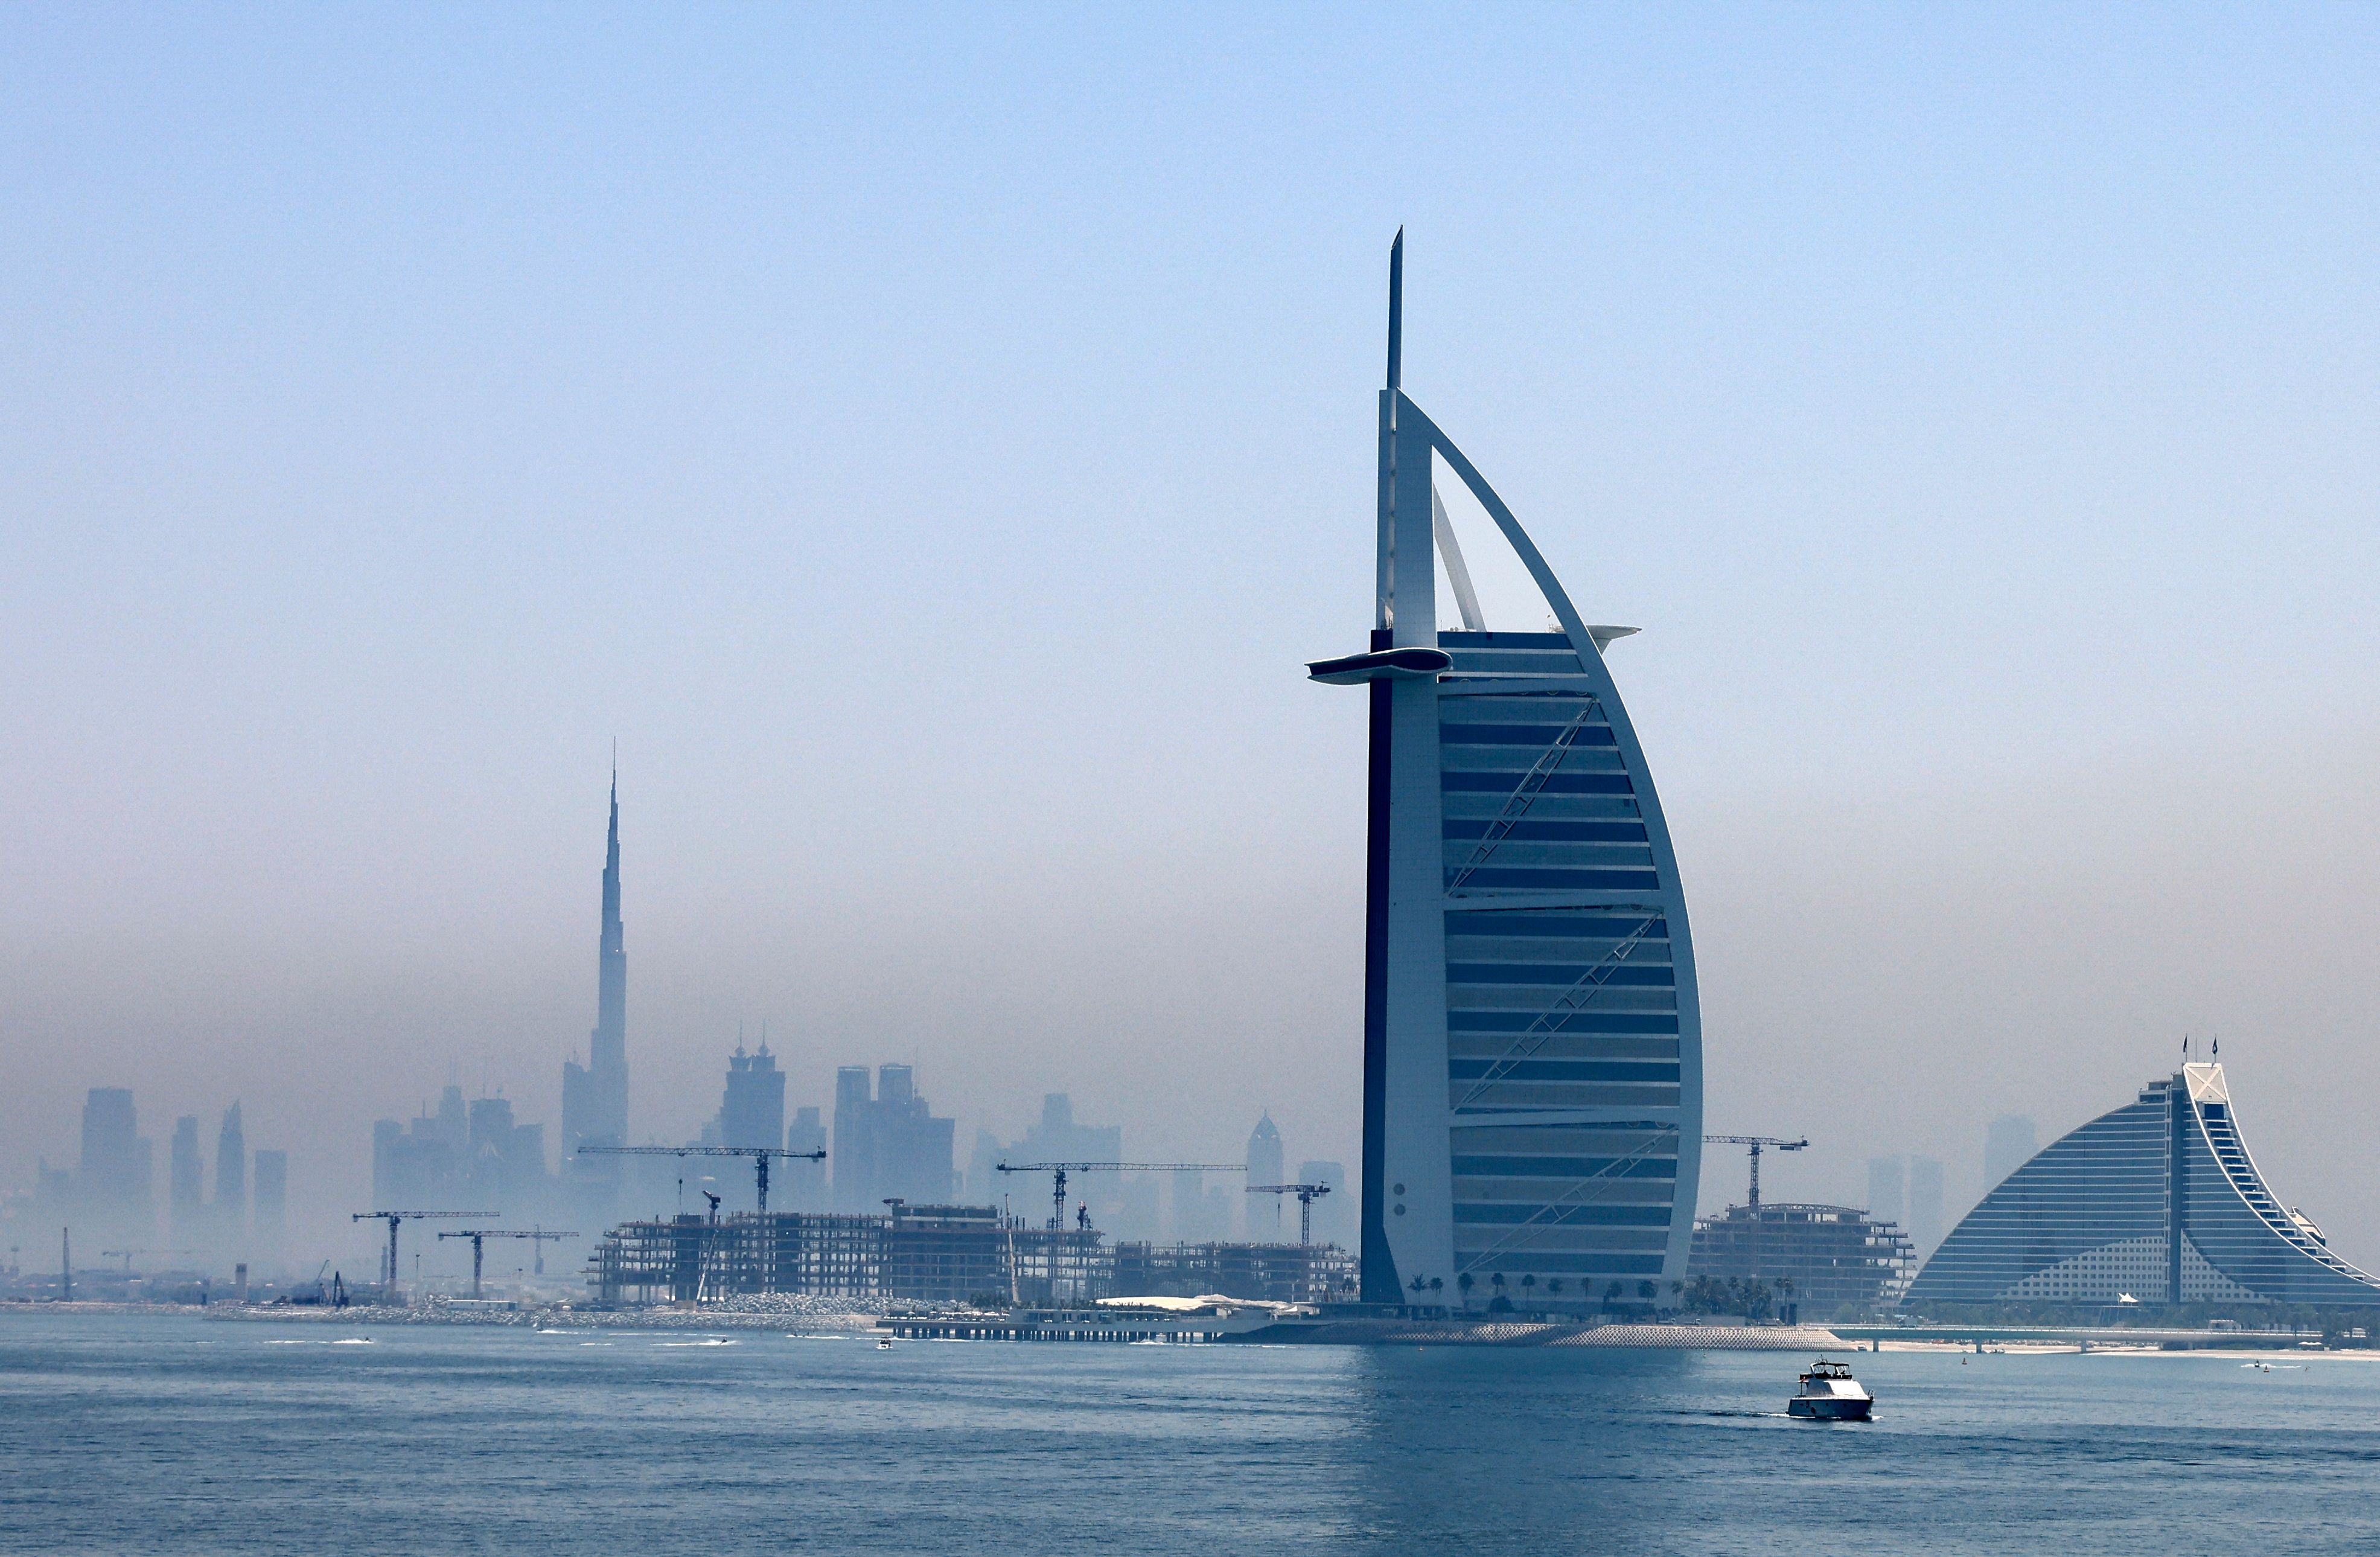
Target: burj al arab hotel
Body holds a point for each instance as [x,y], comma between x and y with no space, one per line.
[1532,1040]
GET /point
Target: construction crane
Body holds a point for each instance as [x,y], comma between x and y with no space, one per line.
[1755,1143]
[1058,1171]
[760,1155]
[393,1218]
[478,1234]
[1305,1194]
[125,1254]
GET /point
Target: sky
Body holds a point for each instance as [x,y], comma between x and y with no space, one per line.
[931,441]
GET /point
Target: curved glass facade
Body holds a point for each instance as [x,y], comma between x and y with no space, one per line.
[2157,1201]
[1551,1010]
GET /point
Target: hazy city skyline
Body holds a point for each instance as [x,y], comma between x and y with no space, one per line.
[936,478]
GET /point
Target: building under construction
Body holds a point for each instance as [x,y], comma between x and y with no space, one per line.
[939,1254]
[1834,1254]
[1282,1272]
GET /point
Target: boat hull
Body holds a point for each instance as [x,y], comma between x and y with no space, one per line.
[1829,1410]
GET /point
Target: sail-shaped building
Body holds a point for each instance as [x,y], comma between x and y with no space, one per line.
[1532,1043]
[2157,1201]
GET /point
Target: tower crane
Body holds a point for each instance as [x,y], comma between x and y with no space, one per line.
[1058,1171]
[393,1218]
[477,1235]
[1753,1143]
[760,1155]
[1305,1194]
[125,1254]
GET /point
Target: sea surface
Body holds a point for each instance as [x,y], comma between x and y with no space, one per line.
[175,1435]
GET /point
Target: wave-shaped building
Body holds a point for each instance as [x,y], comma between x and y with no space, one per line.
[2158,1202]
[1533,1047]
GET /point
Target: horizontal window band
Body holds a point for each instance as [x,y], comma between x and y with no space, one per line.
[1563,1070]
[1519,952]
[1556,784]
[1483,806]
[1552,1143]
[1499,1242]
[1458,857]
[1504,1097]
[1618,975]
[1513,763]
[1656,1199]
[1539,923]
[1564,1046]
[1558,880]
[1626,1266]
[1549,831]
[1565,1167]
[1562,1216]
[1538,736]
[1656,1022]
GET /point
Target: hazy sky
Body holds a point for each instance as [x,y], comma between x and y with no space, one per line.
[931,442]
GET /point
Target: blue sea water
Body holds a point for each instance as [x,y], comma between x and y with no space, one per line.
[174,1435]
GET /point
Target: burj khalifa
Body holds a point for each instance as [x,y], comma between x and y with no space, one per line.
[595,1095]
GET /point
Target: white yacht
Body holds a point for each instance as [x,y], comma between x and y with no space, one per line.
[1830,1394]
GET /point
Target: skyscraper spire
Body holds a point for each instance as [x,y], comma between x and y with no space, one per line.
[595,1097]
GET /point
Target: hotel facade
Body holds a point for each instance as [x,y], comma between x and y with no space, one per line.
[1533,1044]
[2157,1201]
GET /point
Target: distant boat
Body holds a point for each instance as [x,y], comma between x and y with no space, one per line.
[1830,1394]
[884,1343]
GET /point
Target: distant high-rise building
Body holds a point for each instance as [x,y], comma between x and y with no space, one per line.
[1123,1204]
[1263,1218]
[595,1096]
[117,1178]
[1887,1198]
[854,1161]
[985,1185]
[2008,1146]
[505,1160]
[231,1177]
[186,1194]
[1334,1214]
[1059,1137]
[427,1163]
[752,1110]
[1132,1210]
[388,1140]
[1925,1204]
[889,1145]
[1193,1212]
[804,1183]
[272,1198]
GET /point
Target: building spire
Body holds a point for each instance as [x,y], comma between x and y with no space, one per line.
[1397,310]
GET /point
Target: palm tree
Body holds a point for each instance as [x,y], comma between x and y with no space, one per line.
[1465,1282]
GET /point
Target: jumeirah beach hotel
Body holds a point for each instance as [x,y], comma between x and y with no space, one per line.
[1532,1042]
[2157,1201]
